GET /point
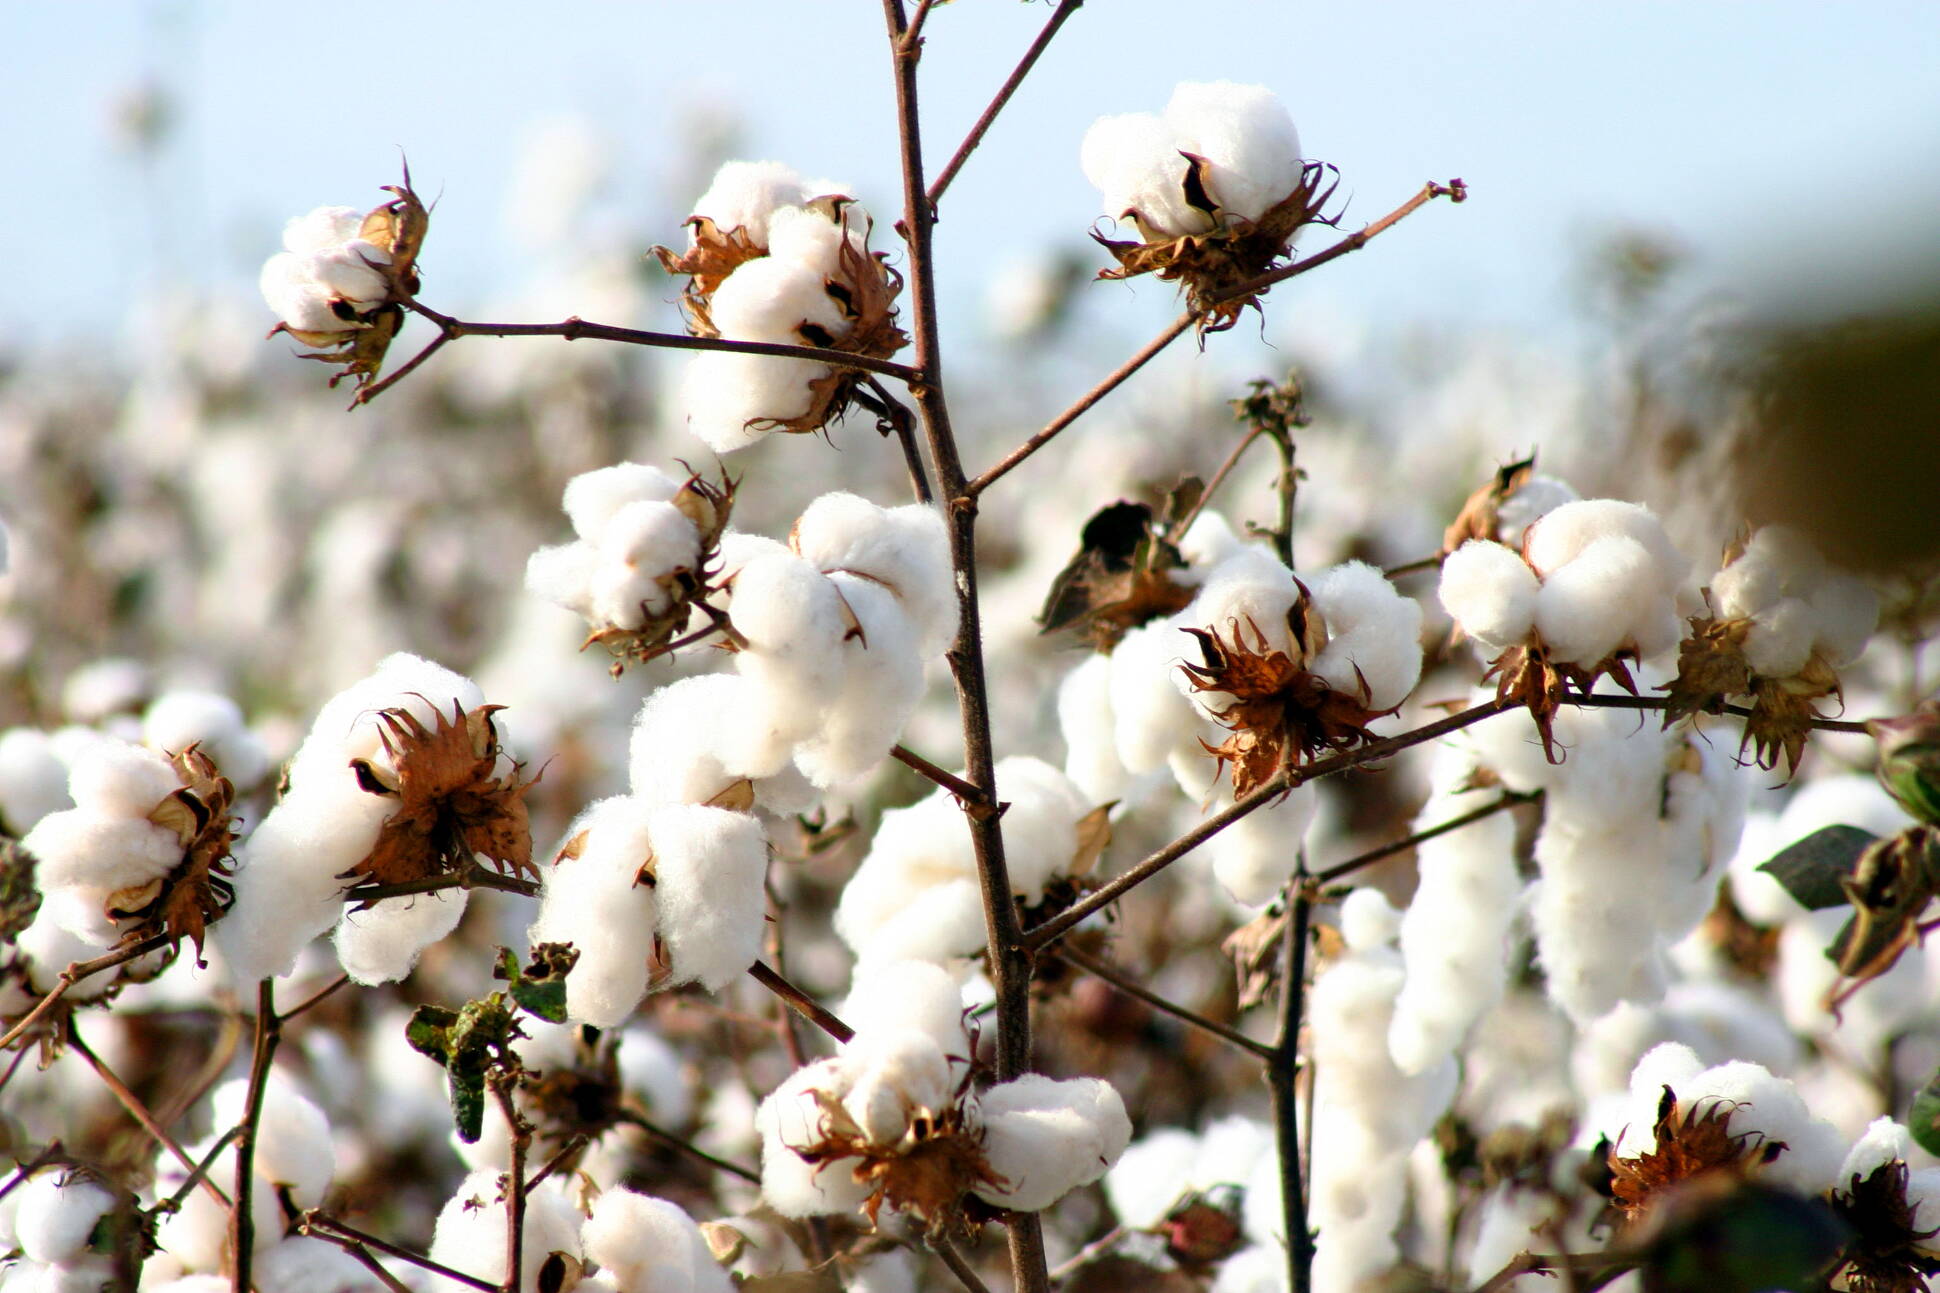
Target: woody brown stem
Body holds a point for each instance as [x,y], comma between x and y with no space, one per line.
[896,419]
[326,1227]
[947,1254]
[1283,1069]
[316,998]
[803,1004]
[73,974]
[688,1148]
[1016,78]
[242,1228]
[1509,799]
[950,781]
[1415,567]
[1454,190]
[1602,700]
[140,1112]
[521,1139]
[1184,523]
[1132,988]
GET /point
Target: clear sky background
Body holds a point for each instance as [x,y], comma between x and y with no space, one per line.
[1793,146]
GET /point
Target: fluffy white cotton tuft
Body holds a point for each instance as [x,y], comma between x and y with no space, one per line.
[1046,1138]
[1490,591]
[648,1245]
[470,1235]
[1373,635]
[709,867]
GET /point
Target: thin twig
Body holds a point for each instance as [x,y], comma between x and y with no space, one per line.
[688,1147]
[477,878]
[242,1229]
[368,1262]
[72,975]
[139,1111]
[1288,489]
[1023,69]
[1089,1253]
[894,418]
[324,1226]
[54,1153]
[1184,523]
[806,1006]
[574,1143]
[1601,700]
[1283,1069]
[1131,988]
[970,795]
[913,34]
[13,1066]
[1509,799]
[199,1174]
[1454,190]
[316,998]
[947,1254]
[521,1138]
[1606,1264]
[1082,405]
[1415,566]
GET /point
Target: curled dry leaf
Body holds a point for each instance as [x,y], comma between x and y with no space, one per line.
[1890,887]
[1481,514]
[453,804]
[1208,265]
[1120,578]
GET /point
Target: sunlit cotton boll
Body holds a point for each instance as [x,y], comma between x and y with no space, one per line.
[213,722]
[55,1214]
[471,1231]
[745,196]
[293,1145]
[1135,162]
[1373,635]
[33,778]
[1490,592]
[732,400]
[648,1245]
[382,944]
[596,899]
[906,549]
[1046,1138]
[882,680]
[709,866]
[1246,136]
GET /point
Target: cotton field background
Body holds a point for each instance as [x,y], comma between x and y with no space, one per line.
[767,713]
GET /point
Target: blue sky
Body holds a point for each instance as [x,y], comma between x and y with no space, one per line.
[1793,145]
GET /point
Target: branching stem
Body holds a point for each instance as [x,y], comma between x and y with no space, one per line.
[1023,69]
[1132,988]
[242,1229]
[140,1113]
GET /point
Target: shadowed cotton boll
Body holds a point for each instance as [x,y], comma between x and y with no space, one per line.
[648,1245]
[470,1236]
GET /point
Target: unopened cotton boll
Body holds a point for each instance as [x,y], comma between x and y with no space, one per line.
[1490,592]
[1045,1138]
[1373,635]
[1245,135]
[709,868]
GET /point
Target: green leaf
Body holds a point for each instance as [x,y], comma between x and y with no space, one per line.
[1923,1116]
[539,989]
[1812,868]
[1754,1238]
[429,1032]
[467,1085]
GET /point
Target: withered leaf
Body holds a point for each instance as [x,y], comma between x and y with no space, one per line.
[1890,887]
[452,803]
[197,890]
[1119,579]
[1481,513]
[1711,668]
[927,1174]
[1094,837]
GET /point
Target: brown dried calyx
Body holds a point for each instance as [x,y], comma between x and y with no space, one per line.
[862,286]
[1692,1142]
[1481,514]
[453,802]
[398,228]
[928,1174]
[709,506]
[1711,668]
[1121,577]
[1888,1252]
[196,890]
[1237,250]
[1281,715]
[1527,675]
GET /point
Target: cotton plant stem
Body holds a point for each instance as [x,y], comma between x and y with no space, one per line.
[1415,567]
[1602,1267]
[140,1112]
[1010,965]
[1016,78]
[901,423]
[947,1254]
[1508,799]
[574,1144]
[1283,1070]
[963,790]
[326,1227]
[316,998]
[1603,700]
[515,1192]
[690,1149]
[1287,489]
[242,1228]
[1454,190]
[1184,523]
[803,1004]
[72,975]
[198,1177]
[1132,988]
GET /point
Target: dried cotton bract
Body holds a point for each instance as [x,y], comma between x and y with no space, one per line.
[774,258]
[1216,188]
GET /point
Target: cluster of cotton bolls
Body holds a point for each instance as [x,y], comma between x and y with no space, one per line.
[634,543]
[871,1114]
[49,1221]
[799,273]
[1238,139]
[1593,578]
[1638,823]
[1797,608]
[291,870]
[833,631]
[916,894]
[328,277]
[1166,1166]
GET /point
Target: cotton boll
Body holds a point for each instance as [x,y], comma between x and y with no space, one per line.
[795,621]
[1585,608]
[1253,858]
[1135,161]
[176,720]
[593,497]
[1085,719]
[470,1235]
[1779,642]
[791,1118]
[293,1146]
[1847,611]
[57,1211]
[1244,132]
[351,272]
[1045,1138]
[1206,544]
[350,725]
[1373,635]
[1886,1141]
[1747,586]
[1041,824]
[710,865]
[117,779]
[906,549]
[596,902]
[807,237]
[1152,717]
[882,681]
[50,947]
[322,228]
[678,750]
[909,996]
[743,195]
[646,1244]
[77,847]
[1562,535]
[1150,1176]
[738,549]
[897,1077]
[382,944]
[295,297]
[642,543]
[1490,591]
[1771,1106]
[732,400]
[1535,498]
[563,575]
[775,300]
[33,778]
[1248,596]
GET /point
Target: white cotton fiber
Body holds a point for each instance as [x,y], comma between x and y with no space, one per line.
[776,301]
[1135,162]
[1255,856]
[744,195]
[795,621]
[56,1211]
[904,548]
[788,1119]
[1244,131]
[730,398]
[293,1146]
[1586,607]
[383,944]
[563,575]
[592,497]
[302,1264]
[1041,824]
[1152,717]
[1780,639]
[595,902]
[1885,1141]
[1564,533]
[1490,591]
[295,296]
[33,778]
[1847,612]
[322,228]
[1373,634]
[76,847]
[1085,719]
[881,682]
[642,543]
[470,1235]
[117,779]
[896,1077]
[1045,1138]
[351,272]
[1533,499]
[711,867]
[645,1244]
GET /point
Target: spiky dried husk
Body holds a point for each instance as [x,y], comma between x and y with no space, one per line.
[1237,250]
[1482,512]
[1282,715]
[708,505]
[1711,669]
[1888,1252]
[1692,1142]
[928,1174]
[197,890]
[452,803]
[1527,676]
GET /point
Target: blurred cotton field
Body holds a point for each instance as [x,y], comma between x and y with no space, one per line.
[566,741]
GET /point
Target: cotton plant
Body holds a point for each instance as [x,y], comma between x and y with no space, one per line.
[893,1119]
[636,1243]
[1211,1197]
[470,1236]
[772,257]
[52,1223]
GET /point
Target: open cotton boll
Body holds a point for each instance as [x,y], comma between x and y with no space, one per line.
[905,548]
[1085,720]
[1249,593]
[882,681]
[592,497]
[896,917]
[696,737]
[1561,535]
[33,778]
[593,899]
[790,1118]
[1771,1106]
[383,943]
[322,228]
[1886,1141]
[731,399]
[176,720]
[1135,162]
[640,545]
[898,1076]
[1045,1138]
[709,867]
[295,296]
[1534,499]
[293,1146]
[1586,608]
[647,1245]
[78,847]
[350,724]
[1253,858]
[1490,591]
[901,996]
[1847,612]
[1247,136]
[114,778]
[775,300]
[809,238]
[1780,639]
[743,195]
[57,1211]
[302,1264]
[1041,824]
[1373,634]
[1152,716]
[470,1235]
[351,272]
[563,575]
[795,622]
